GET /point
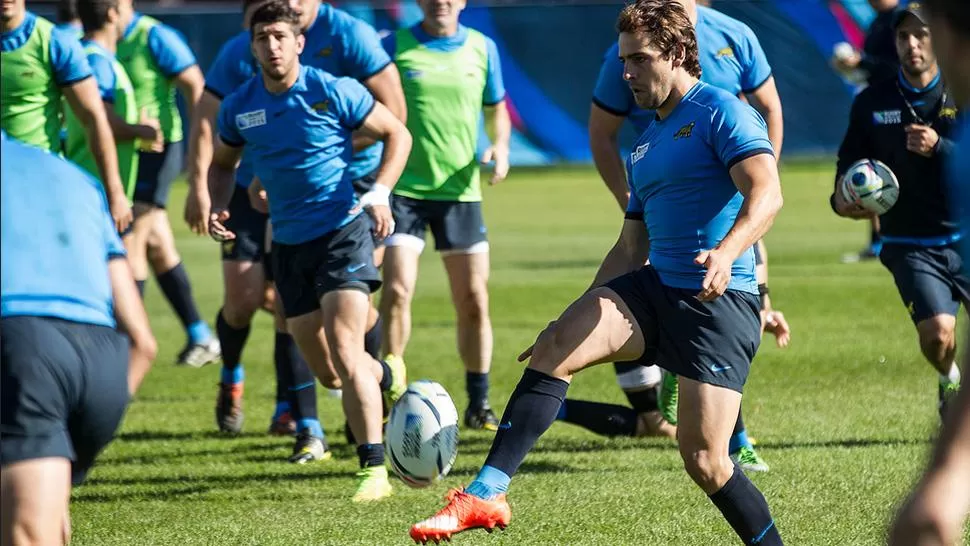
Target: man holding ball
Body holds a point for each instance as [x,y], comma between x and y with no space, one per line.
[906,123]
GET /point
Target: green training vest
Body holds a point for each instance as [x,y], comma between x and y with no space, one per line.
[30,99]
[444,93]
[153,90]
[77,149]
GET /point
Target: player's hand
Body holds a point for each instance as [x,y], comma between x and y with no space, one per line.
[776,324]
[383,220]
[718,274]
[500,155]
[151,139]
[197,209]
[921,139]
[846,60]
[121,212]
[849,209]
[217,226]
[257,197]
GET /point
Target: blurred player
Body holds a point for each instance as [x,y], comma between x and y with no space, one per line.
[731,58]
[440,187]
[65,371]
[935,513]
[705,166]
[906,123]
[158,61]
[68,19]
[296,124]
[102,31]
[40,65]
[343,46]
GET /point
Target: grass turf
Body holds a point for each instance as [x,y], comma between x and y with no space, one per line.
[844,416]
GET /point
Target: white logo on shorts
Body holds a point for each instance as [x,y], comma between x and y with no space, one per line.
[248,120]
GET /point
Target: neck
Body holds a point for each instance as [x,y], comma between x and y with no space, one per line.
[14,22]
[281,86]
[106,38]
[682,84]
[439,31]
[313,19]
[922,80]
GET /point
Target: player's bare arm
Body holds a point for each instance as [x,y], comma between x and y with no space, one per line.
[257,195]
[604,130]
[382,125]
[202,142]
[498,125]
[133,320]
[85,101]
[386,88]
[191,84]
[766,101]
[225,159]
[757,179]
[148,132]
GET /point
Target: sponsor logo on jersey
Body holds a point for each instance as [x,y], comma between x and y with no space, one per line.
[321,106]
[325,52]
[640,152]
[413,74]
[27,74]
[248,120]
[888,117]
[685,131]
[725,52]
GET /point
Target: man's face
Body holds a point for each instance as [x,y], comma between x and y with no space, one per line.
[914,46]
[306,9]
[883,5]
[125,13]
[276,47]
[648,72]
[443,13]
[11,9]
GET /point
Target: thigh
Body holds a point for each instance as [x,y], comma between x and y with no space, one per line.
[401,269]
[960,272]
[40,385]
[706,415]
[249,226]
[410,223]
[294,268]
[923,279]
[467,274]
[344,315]
[34,495]
[347,259]
[459,228]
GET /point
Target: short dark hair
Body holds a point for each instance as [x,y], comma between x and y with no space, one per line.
[94,13]
[66,11]
[275,11]
[955,12]
[667,24]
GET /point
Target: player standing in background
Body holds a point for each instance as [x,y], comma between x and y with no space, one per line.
[343,46]
[906,123]
[66,373]
[732,59]
[158,61]
[102,28]
[705,166]
[68,19]
[38,66]
[296,123]
[936,512]
[449,72]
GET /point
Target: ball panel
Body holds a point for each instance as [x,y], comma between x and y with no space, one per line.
[422,434]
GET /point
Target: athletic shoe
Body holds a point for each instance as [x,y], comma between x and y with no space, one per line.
[373,484]
[481,419]
[196,355]
[284,425]
[668,397]
[309,448]
[869,253]
[399,383]
[947,393]
[749,460]
[462,513]
[229,412]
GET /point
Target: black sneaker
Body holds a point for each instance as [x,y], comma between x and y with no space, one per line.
[229,412]
[309,448]
[481,419]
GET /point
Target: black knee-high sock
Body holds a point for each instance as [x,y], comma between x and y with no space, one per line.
[232,341]
[177,288]
[530,412]
[296,377]
[372,339]
[739,424]
[603,419]
[141,287]
[746,510]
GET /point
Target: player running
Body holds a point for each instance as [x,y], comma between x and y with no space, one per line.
[343,46]
[731,58]
[158,61]
[449,72]
[66,372]
[705,166]
[296,124]
[906,123]
[40,65]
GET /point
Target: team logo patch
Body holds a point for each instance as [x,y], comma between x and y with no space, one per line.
[725,52]
[685,131]
[248,120]
[413,74]
[888,117]
[325,52]
[948,113]
[321,106]
[641,151]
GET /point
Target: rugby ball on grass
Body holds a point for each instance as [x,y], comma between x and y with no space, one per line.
[421,437]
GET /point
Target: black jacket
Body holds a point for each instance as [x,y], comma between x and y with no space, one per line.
[879,57]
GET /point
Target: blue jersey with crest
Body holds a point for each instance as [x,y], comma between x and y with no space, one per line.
[336,42]
[682,188]
[729,52]
[958,182]
[299,143]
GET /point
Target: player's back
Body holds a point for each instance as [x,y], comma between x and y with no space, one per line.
[679,173]
[56,238]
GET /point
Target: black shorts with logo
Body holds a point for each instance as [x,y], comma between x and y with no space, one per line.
[339,260]
[249,225]
[711,342]
[156,173]
[930,280]
[456,225]
[64,390]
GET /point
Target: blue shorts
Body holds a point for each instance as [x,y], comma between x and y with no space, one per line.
[156,173]
[64,390]
[930,280]
[711,342]
[249,225]
[455,225]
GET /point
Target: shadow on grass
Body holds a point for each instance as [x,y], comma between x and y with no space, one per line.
[846,443]
[553,264]
[167,436]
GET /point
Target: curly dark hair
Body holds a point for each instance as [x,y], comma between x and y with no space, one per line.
[667,24]
[276,11]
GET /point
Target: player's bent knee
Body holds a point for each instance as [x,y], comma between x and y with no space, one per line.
[709,469]
[936,335]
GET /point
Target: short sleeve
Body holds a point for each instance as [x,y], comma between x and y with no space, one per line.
[494,84]
[364,55]
[738,132]
[104,74]
[634,208]
[755,70]
[169,49]
[389,43]
[232,68]
[611,92]
[226,124]
[352,102]
[68,61]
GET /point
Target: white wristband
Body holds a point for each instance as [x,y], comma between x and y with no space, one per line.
[378,195]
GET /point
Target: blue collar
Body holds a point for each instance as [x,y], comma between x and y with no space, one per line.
[131,26]
[17,37]
[909,87]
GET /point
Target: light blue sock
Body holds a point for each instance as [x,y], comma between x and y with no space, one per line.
[231,376]
[738,441]
[313,426]
[281,408]
[199,332]
[489,483]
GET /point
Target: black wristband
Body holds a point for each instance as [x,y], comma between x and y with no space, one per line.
[763,289]
[763,296]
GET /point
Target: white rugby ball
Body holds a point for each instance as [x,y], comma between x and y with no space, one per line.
[871,184]
[421,437]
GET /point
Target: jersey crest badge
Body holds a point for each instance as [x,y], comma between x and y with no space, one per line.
[888,117]
[321,106]
[685,131]
[948,113]
[640,152]
[325,52]
[248,120]
[725,52]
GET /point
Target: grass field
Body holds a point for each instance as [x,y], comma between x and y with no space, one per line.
[844,416]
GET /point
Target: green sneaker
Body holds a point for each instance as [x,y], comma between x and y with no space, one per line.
[947,393]
[399,383]
[668,398]
[372,484]
[749,460]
